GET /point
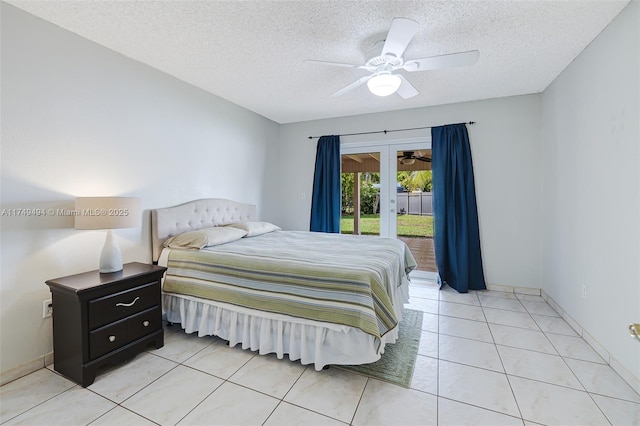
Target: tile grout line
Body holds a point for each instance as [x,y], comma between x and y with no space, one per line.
[355,412]
[585,389]
[513,393]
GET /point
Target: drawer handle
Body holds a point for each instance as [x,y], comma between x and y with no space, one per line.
[112,338]
[128,304]
[145,323]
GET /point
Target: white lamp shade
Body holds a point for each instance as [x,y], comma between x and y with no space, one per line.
[107,212]
[384,84]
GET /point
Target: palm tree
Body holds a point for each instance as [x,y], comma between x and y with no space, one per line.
[417,180]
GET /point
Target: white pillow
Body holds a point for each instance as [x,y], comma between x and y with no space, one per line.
[205,237]
[255,228]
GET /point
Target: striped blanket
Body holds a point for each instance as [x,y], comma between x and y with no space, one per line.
[341,279]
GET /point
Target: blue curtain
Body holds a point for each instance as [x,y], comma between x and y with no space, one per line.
[456,231]
[325,202]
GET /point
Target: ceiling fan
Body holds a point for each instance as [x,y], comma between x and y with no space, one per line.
[387,58]
[409,157]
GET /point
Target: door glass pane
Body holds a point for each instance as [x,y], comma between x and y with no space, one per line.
[361,194]
[415,207]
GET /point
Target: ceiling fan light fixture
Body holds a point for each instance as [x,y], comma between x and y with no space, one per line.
[384,84]
[407,161]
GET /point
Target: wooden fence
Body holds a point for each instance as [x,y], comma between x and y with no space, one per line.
[417,203]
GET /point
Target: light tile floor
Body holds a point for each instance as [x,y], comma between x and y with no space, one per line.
[485,358]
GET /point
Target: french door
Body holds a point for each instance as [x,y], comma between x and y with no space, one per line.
[386,192]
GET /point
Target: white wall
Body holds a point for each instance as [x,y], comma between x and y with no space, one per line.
[506,157]
[591,202]
[81,120]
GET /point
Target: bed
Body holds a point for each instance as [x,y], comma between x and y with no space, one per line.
[319,298]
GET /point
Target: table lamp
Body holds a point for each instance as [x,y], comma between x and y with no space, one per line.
[108,213]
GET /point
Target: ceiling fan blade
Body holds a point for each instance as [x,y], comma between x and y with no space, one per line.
[400,34]
[335,64]
[352,85]
[406,89]
[452,60]
[425,159]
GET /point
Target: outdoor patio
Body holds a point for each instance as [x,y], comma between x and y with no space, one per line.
[423,252]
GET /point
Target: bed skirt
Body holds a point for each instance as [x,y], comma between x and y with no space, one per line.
[311,342]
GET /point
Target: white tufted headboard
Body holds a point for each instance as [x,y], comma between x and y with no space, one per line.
[198,214]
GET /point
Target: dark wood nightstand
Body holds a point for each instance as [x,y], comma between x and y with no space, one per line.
[101,319]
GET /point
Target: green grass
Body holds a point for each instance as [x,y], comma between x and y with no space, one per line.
[408,225]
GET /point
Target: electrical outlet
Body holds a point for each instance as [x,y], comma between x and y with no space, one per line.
[47,308]
[584,292]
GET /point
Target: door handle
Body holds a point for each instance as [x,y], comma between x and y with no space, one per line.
[634,331]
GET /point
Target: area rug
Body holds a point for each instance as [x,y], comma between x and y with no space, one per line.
[398,360]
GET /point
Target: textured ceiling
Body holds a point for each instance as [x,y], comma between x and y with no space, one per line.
[252,52]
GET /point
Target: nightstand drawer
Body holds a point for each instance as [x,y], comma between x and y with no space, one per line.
[111,308]
[106,339]
[145,322]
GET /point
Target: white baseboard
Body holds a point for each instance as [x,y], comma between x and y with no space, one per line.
[627,375]
[511,289]
[27,368]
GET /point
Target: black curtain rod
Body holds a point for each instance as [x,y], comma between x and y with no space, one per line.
[388,131]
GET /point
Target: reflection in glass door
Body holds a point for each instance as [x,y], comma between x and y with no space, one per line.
[414,218]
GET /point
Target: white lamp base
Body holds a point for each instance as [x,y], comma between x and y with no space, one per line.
[110,258]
